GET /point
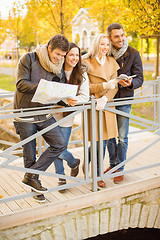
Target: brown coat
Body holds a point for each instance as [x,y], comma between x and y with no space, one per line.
[97,75]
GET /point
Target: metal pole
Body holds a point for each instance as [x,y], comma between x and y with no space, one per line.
[93,145]
[39,141]
[100,143]
[154,103]
[158,104]
[85,142]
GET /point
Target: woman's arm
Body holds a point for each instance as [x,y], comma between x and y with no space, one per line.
[83,93]
[96,87]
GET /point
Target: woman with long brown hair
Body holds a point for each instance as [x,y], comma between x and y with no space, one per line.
[76,75]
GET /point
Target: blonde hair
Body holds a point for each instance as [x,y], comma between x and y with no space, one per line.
[94,48]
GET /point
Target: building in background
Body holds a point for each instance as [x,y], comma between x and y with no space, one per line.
[83,29]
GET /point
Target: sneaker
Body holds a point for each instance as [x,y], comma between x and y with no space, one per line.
[75,168]
[62,182]
[118,179]
[39,198]
[31,180]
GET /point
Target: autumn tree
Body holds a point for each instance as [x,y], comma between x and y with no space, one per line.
[2,30]
[14,23]
[142,16]
[106,12]
[58,15]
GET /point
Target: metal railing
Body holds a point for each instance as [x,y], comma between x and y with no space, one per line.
[9,153]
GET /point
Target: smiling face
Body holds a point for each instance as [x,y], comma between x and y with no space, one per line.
[71,59]
[103,47]
[117,38]
[56,55]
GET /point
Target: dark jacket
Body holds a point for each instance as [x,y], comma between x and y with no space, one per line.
[29,73]
[130,64]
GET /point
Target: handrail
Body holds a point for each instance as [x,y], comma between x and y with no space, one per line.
[90,106]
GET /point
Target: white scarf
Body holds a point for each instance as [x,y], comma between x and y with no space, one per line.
[118,53]
[44,60]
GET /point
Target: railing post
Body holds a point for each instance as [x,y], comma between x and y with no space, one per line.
[158,103]
[93,144]
[85,142]
[154,103]
[100,143]
[39,143]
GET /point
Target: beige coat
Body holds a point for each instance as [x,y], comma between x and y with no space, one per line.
[97,75]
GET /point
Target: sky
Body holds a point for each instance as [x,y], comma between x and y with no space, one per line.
[6,5]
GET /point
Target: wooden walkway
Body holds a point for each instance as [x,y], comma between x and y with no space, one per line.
[11,181]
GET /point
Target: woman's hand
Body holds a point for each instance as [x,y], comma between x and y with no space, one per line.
[72,101]
[101,102]
[111,84]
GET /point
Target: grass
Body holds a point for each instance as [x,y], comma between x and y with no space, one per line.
[7,83]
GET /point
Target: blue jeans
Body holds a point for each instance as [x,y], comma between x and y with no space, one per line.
[65,155]
[104,151]
[118,152]
[53,137]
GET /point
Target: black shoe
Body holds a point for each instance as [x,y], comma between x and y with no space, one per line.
[39,198]
[75,168]
[62,182]
[31,180]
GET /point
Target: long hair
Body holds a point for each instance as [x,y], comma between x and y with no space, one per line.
[94,48]
[76,77]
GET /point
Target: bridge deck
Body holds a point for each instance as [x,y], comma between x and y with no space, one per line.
[11,181]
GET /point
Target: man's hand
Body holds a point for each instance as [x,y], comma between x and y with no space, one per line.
[72,101]
[126,83]
[124,80]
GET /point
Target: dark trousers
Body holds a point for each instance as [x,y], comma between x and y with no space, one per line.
[53,137]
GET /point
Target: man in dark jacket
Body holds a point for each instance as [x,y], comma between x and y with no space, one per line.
[45,63]
[130,64]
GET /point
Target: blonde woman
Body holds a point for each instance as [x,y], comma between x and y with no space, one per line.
[102,75]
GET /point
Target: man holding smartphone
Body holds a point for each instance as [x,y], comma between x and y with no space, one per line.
[130,64]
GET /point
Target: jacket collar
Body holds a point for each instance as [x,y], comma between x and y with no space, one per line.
[97,70]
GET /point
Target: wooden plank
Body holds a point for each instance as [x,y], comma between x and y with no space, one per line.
[13,189]
[88,200]
[18,176]
[14,178]
[12,205]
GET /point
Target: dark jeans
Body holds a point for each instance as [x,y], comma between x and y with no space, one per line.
[65,155]
[118,152]
[53,137]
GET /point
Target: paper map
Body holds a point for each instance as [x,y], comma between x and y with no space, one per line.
[51,92]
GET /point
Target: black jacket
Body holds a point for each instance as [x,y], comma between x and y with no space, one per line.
[130,64]
[29,73]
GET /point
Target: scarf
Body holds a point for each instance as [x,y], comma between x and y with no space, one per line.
[118,53]
[45,62]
